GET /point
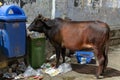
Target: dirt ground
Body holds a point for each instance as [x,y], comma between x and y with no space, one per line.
[87,72]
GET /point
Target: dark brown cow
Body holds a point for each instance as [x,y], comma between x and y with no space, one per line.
[75,35]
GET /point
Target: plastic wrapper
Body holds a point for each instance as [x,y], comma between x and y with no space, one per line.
[67,59]
[65,67]
[52,71]
[31,72]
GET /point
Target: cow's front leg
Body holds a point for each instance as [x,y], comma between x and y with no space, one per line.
[57,49]
[63,54]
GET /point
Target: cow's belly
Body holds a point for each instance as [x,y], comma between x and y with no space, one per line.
[75,45]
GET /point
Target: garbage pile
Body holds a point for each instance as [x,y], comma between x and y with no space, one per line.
[20,71]
[46,68]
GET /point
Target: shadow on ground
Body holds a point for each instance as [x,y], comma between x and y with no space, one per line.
[91,69]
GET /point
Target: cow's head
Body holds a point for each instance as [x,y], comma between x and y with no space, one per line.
[39,23]
[42,24]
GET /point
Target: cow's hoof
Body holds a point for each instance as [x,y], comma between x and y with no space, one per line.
[100,77]
[56,66]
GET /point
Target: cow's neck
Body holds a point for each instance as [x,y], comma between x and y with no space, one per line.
[50,33]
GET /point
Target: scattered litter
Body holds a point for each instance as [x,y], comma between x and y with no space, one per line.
[34,34]
[67,59]
[46,65]
[52,57]
[18,70]
[21,66]
[31,72]
[52,71]
[9,75]
[35,78]
[20,76]
[65,67]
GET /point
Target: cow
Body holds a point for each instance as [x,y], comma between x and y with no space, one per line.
[75,35]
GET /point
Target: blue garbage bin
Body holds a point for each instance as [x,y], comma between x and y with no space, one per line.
[13,30]
[84,57]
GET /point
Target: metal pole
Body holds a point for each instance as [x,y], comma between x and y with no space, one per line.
[19,3]
[53,9]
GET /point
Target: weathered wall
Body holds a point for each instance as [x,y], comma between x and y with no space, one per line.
[39,7]
[104,10]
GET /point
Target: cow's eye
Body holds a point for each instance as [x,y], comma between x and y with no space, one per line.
[36,22]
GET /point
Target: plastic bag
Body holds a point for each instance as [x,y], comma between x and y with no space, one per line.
[65,67]
[31,72]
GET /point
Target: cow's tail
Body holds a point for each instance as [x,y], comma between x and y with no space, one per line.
[106,48]
[108,40]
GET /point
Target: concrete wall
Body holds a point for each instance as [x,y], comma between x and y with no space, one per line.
[104,10]
[39,7]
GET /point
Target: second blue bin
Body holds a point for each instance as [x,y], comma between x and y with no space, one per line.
[84,57]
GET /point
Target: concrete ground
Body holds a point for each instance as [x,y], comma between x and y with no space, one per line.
[87,72]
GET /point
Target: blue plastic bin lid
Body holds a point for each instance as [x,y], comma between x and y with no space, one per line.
[11,13]
[84,53]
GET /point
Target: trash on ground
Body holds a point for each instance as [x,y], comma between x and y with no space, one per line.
[65,67]
[18,71]
[46,65]
[52,57]
[52,71]
[9,75]
[22,66]
[20,76]
[67,59]
[31,72]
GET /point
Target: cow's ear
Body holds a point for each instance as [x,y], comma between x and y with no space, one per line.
[50,23]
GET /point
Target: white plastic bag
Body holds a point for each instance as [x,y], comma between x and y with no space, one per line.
[65,67]
[30,72]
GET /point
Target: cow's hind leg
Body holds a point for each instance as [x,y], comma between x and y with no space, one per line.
[105,62]
[101,59]
[105,51]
